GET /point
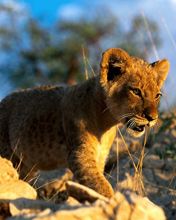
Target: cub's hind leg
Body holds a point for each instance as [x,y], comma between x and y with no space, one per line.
[5,150]
[5,147]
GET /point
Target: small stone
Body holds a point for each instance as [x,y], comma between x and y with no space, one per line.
[145,209]
[173,132]
[161,178]
[166,141]
[17,189]
[164,200]
[170,164]
[156,145]
[153,161]
[148,174]
[7,171]
[72,201]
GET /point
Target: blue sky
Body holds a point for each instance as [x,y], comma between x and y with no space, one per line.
[163,11]
[51,8]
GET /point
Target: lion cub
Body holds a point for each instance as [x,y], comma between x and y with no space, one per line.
[52,127]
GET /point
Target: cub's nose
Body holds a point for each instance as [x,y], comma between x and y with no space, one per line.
[150,114]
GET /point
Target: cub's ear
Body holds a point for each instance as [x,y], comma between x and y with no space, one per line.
[162,68]
[113,64]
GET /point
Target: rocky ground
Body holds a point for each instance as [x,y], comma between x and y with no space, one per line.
[159,164]
[141,188]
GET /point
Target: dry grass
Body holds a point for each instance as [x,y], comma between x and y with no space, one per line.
[137,179]
[87,65]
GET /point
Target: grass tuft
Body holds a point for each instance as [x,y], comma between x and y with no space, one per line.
[137,179]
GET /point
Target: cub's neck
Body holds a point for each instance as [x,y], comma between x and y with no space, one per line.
[96,108]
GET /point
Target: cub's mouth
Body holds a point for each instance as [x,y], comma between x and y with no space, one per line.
[136,129]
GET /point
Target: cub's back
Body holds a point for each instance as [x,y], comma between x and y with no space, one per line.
[31,123]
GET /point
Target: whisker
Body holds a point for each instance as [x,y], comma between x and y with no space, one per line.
[125,116]
[109,108]
[132,125]
[131,120]
[122,116]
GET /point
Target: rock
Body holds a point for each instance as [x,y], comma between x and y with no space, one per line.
[173,132]
[83,193]
[164,200]
[153,161]
[170,164]
[11,187]
[7,172]
[156,146]
[84,213]
[145,209]
[17,189]
[127,183]
[24,206]
[167,140]
[50,182]
[163,178]
[122,206]
[72,201]
[148,174]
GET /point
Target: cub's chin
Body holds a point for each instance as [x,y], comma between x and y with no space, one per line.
[136,131]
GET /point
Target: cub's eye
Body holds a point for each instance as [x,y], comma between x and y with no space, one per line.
[136,91]
[158,95]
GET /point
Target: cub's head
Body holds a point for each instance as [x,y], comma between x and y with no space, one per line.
[132,88]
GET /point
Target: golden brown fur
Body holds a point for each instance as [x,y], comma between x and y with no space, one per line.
[54,127]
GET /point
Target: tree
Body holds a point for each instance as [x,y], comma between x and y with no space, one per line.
[63,52]
[136,40]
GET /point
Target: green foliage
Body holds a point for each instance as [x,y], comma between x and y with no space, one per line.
[137,42]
